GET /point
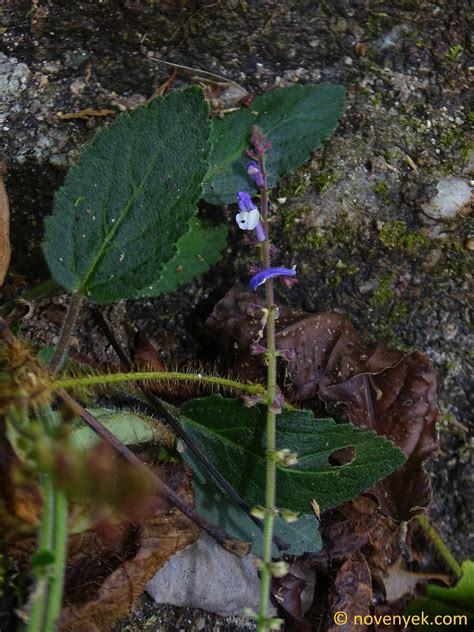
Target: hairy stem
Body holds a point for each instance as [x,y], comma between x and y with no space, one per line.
[237,547]
[270,488]
[66,331]
[45,606]
[156,406]
[441,547]
[142,376]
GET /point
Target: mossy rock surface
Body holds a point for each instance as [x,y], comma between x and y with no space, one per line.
[352,218]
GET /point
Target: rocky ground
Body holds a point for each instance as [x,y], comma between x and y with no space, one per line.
[377,222]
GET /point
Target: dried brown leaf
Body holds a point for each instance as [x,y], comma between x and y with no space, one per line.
[401,583]
[351,594]
[384,390]
[86,114]
[294,594]
[110,565]
[5,248]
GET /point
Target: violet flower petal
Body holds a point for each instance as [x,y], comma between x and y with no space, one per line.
[269,273]
[259,232]
[244,201]
[254,172]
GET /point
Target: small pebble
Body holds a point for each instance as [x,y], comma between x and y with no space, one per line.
[200,623]
[470,243]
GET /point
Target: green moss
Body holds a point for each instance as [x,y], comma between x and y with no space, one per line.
[335,279]
[396,235]
[456,260]
[344,230]
[376,99]
[449,424]
[323,180]
[308,238]
[383,292]
[453,53]
[398,313]
[381,189]
[385,322]
[294,185]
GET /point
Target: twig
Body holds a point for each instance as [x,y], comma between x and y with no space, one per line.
[158,407]
[237,547]
[212,75]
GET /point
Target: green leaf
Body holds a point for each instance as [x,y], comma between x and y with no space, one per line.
[122,209]
[302,535]
[197,251]
[42,558]
[455,601]
[296,120]
[233,438]
[131,428]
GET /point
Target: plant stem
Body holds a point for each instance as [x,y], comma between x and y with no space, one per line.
[156,406]
[270,488]
[66,331]
[46,601]
[443,550]
[116,378]
[237,547]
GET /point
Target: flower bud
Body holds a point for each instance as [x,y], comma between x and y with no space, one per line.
[258,512]
[279,569]
[255,173]
[286,457]
[289,516]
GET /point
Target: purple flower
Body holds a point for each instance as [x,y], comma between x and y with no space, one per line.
[248,220]
[249,217]
[277,404]
[256,348]
[269,273]
[255,173]
[245,202]
[259,232]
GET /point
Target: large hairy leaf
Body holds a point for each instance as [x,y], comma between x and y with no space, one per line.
[233,438]
[388,391]
[122,209]
[196,251]
[296,120]
[302,535]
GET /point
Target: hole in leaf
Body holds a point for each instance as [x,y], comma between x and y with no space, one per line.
[342,456]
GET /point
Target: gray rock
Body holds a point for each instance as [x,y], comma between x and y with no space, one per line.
[452,197]
[206,576]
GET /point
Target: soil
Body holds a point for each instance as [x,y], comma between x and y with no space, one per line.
[352,219]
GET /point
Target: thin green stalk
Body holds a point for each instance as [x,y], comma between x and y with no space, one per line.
[66,331]
[270,488]
[45,543]
[441,547]
[45,606]
[116,378]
